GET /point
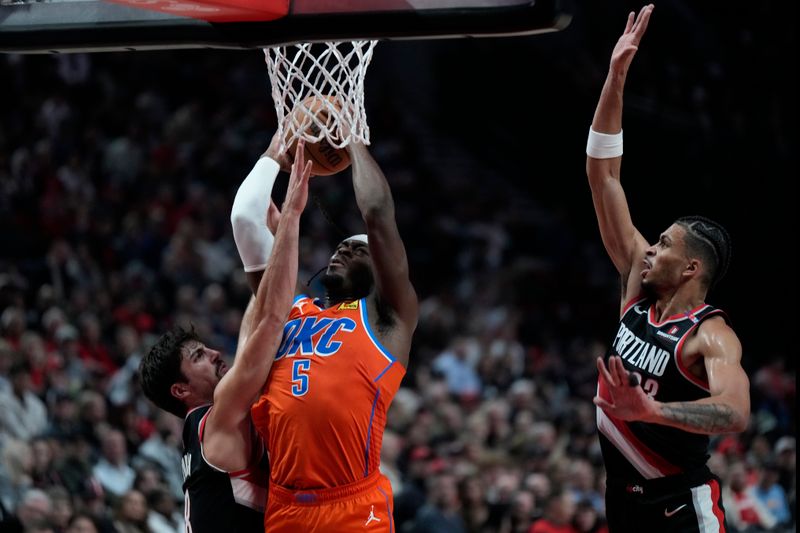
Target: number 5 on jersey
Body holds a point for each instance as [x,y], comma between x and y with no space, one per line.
[299,376]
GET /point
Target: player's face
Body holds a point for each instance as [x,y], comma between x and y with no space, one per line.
[665,261]
[350,267]
[203,368]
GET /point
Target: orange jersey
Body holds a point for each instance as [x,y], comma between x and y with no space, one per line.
[323,409]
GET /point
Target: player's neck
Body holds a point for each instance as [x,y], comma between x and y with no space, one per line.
[332,299]
[677,303]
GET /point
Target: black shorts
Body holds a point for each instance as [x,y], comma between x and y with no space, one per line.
[684,503]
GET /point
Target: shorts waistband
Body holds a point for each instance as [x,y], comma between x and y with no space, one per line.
[287,496]
[684,480]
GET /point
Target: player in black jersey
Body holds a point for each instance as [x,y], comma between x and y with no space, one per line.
[673,373]
[224,462]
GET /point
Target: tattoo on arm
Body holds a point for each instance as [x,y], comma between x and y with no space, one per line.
[709,418]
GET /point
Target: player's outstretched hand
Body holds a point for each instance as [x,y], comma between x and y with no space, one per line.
[297,193]
[628,399]
[628,44]
[274,152]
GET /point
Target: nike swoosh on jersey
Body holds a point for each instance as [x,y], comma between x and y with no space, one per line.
[670,513]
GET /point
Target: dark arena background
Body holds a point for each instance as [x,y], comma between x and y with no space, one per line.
[117,173]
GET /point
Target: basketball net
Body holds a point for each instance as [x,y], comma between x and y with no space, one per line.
[332,69]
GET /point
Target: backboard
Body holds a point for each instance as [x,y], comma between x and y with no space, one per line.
[97,25]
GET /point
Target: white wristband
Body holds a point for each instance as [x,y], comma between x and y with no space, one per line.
[604,145]
[249,215]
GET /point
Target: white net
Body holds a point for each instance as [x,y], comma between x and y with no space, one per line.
[325,82]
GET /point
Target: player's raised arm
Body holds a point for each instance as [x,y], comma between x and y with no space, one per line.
[240,386]
[374,198]
[252,210]
[624,244]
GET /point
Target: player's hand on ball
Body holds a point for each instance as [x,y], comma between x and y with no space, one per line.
[273,152]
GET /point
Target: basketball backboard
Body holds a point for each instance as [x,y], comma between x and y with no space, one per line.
[95,25]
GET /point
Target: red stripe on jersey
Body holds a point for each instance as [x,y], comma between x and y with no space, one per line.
[647,454]
[652,457]
[715,504]
[635,300]
[682,368]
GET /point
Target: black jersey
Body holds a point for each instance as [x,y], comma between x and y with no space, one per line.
[216,500]
[634,451]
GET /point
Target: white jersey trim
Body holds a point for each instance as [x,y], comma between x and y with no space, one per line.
[247,493]
[676,354]
[642,465]
[365,321]
[200,426]
[704,509]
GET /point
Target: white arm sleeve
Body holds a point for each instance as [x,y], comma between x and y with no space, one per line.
[249,215]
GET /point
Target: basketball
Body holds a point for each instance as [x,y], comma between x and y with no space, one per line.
[325,158]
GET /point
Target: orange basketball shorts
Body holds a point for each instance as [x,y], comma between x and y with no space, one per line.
[365,505]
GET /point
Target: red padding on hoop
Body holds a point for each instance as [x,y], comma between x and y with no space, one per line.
[215,10]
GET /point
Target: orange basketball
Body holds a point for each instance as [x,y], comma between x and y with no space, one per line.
[325,158]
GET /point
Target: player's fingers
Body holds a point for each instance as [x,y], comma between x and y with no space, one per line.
[629,23]
[602,404]
[300,153]
[604,374]
[642,20]
[618,370]
[307,171]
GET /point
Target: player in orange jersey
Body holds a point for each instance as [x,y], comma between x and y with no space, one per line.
[340,363]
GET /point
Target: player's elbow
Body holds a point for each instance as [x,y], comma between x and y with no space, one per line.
[242,220]
[741,420]
[377,212]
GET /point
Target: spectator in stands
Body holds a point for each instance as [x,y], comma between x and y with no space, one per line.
[771,495]
[559,512]
[113,470]
[442,511]
[34,512]
[164,516]
[743,510]
[163,449]
[61,507]
[81,523]
[588,519]
[521,513]
[131,514]
[22,414]
[16,472]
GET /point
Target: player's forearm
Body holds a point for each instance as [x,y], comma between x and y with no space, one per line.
[608,115]
[246,327]
[249,213]
[709,416]
[373,195]
[275,293]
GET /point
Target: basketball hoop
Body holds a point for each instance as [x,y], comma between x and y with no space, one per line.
[332,73]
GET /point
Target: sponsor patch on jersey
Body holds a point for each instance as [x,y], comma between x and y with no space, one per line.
[348,306]
[673,330]
[673,338]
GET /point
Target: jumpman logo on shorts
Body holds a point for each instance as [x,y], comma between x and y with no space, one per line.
[372,516]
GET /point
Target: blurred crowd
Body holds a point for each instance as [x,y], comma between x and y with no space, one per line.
[117,174]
